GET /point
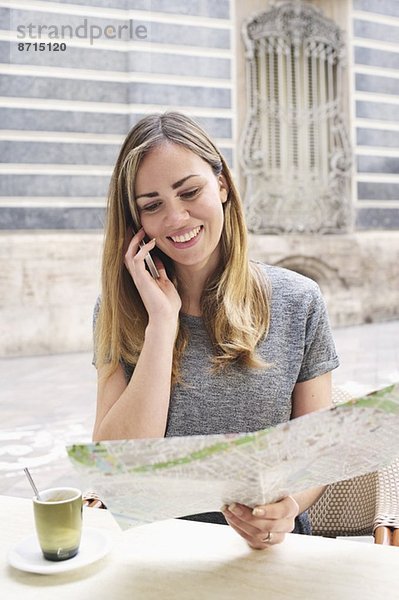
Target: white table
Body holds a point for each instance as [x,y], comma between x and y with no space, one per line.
[181,559]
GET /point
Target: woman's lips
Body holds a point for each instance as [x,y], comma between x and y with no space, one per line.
[188,243]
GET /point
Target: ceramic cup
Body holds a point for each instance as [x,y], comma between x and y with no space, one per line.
[58,519]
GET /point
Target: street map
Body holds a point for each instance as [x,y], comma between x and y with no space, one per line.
[145,480]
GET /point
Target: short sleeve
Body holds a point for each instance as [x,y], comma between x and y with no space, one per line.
[95,317]
[320,355]
[127,369]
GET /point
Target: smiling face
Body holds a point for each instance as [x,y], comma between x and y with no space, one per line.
[180,203]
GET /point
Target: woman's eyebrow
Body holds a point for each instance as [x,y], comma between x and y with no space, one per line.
[174,187]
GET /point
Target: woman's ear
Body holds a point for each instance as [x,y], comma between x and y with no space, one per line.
[223,188]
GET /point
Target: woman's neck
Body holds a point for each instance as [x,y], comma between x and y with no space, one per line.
[190,294]
[191,286]
[192,280]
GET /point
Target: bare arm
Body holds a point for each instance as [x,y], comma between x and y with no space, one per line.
[140,408]
[307,397]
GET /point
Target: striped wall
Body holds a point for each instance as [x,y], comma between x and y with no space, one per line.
[376,113]
[64,114]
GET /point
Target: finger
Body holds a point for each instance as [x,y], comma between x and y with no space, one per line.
[255,544]
[245,515]
[258,540]
[147,246]
[94,504]
[134,242]
[145,249]
[265,541]
[160,267]
[136,263]
[283,509]
[239,527]
[272,540]
[240,510]
[243,525]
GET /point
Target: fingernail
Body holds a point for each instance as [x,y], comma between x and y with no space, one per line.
[223,508]
[235,509]
[259,512]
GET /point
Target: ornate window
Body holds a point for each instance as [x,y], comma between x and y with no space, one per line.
[295,149]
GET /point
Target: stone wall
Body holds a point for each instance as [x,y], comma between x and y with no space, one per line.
[63,123]
[49,283]
[358,273]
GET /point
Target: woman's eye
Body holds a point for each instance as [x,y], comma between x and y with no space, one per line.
[190,193]
[150,207]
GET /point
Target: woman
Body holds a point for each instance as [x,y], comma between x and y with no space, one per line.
[216,343]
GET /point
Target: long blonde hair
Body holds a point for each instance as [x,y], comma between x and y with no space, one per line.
[235,300]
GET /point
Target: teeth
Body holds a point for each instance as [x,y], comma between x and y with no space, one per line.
[187,236]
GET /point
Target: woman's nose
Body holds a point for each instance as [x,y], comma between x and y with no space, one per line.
[176,215]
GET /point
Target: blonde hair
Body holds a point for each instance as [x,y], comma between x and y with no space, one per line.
[235,300]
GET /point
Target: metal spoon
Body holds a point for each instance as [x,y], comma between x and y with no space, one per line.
[34,488]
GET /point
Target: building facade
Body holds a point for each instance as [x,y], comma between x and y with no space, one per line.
[65,110]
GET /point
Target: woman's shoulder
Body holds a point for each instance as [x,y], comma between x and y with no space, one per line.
[286,282]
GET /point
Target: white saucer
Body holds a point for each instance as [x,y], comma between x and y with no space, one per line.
[27,556]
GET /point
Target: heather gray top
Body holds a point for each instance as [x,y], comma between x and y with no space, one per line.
[299,346]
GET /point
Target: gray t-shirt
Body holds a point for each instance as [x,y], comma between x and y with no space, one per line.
[298,347]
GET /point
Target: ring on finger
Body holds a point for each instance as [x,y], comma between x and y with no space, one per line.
[268,538]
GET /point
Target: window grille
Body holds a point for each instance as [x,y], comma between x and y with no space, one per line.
[295,149]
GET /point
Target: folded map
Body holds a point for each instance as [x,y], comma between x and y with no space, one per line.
[145,480]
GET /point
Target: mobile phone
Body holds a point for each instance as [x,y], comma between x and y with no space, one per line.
[150,263]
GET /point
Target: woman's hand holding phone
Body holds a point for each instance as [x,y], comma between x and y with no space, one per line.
[149,262]
[159,295]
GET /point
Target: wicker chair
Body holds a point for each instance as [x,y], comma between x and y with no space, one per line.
[365,505]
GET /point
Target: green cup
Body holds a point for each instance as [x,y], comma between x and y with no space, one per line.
[58,519]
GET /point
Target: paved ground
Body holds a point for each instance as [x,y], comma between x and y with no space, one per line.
[48,401]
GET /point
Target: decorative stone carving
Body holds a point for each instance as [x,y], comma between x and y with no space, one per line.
[295,148]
